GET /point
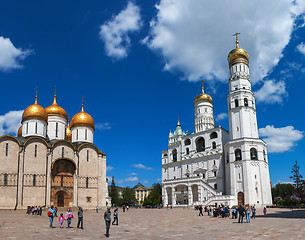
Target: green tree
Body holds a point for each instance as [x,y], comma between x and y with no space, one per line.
[282,191]
[297,178]
[114,194]
[155,195]
[128,195]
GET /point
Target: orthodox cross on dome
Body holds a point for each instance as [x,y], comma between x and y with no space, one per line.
[178,123]
[202,87]
[236,41]
[55,90]
[36,96]
[82,103]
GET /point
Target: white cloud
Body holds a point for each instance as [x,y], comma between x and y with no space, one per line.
[221,116]
[159,180]
[115,32]
[109,168]
[145,181]
[280,139]
[301,48]
[131,179]
[10,122]
[141,166]
[271,92]
[103,126]
[10,56]
[194,36]
[133,174]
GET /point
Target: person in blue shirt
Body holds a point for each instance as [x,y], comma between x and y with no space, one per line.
[51,214]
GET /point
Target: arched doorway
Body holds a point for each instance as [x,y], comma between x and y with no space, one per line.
[62,182]
[240,198]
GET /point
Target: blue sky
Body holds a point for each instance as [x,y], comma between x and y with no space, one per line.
[138,66]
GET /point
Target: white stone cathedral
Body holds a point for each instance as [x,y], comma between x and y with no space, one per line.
[51,162]
[213,166]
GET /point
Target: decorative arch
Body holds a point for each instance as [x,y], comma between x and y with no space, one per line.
[96,149]
[187,142]
[213,135]
[63,140]
[63,159]
[200,144]
[12,137]
[36,137]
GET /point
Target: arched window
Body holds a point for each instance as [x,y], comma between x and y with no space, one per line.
[165,155]
[213,135]
[215,185]
[87,182]
[62,152]
[187,142]
[253,154]
[246,102]
[174,152]
[35,152]
[6,149]
[5,179]
[200,145]
[236,102]
[34,180]
[87,155]
[214,145]
[187,151]
[237,154]
[215,174]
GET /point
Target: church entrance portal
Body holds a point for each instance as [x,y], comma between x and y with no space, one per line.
[240,198]
[62,183]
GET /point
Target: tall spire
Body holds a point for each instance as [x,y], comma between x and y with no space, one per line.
[202,87]
[36,96]
[236,41]
[178,123]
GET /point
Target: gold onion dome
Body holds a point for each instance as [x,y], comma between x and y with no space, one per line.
[35,111]
[68,132]
[238,55]
[82,119]
[54,109]
[19,133]
[203,97]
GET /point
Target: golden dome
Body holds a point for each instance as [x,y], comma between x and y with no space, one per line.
[54,109]
[35,111]
[19,133]
[203,96]
[82,119]
[68,132]
[238,55]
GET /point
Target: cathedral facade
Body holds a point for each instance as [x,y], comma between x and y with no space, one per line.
[214,166]
[51,162]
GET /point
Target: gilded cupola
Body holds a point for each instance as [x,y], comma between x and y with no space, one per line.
[203,96]
[54,109]
[19,133]
[82,119]
[35,111]
[238,55]
[68,132]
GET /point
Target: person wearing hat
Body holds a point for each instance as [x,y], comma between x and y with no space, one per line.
[107,217]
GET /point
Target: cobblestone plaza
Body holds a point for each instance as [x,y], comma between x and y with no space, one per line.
[157,224]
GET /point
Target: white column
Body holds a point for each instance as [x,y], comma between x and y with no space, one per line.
[102,184]
[190,195]
[173,197]
[49,180]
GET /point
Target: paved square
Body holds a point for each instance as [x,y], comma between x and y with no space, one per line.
[157,224]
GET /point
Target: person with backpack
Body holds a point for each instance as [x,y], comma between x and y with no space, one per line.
[241,211]
[69,217]
[51,215]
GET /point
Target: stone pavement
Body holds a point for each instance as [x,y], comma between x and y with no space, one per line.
[157,224]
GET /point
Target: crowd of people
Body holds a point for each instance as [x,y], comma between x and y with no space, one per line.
[34,210]
[238,212]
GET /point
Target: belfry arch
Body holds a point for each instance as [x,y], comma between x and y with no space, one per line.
[62,182]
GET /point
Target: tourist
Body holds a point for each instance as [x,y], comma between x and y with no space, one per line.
[80,217]
[69,217]
[61,219]
[123,208]
[265,211]
[127,207]
[55,211]
[96,209]
[107,217]
[253,212]
[200,210]
[248,211]
[51,215]
[115,217]
[241,212]
[233,213]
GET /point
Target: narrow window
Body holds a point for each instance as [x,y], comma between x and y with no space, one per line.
[187,166]
[36,128]
[5,179]
[214,162]
[214,145]
[187,151]
[215,185]
[87,182]
[255,176]
[215,174]
[77,134]
[174,168]
[239,176]
[238,154]
[35,152]
[203,176]
[62,152]
[86,134]
[200,145]
[6,149]
[174,155]
[236,102]
[87,155]
[246,102]
[264,153]
[88,199]
[62,181]
[34,180]
[27,128]
[174,177]
[56,130]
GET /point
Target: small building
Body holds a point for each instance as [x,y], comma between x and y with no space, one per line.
[141,192]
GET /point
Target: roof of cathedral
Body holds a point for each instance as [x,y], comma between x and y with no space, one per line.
[238,55]
[82,119]
[35,111]
[54,109]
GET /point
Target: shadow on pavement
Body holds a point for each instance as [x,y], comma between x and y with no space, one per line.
[285,214]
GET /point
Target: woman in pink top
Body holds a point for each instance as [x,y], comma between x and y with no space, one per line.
[69,217]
